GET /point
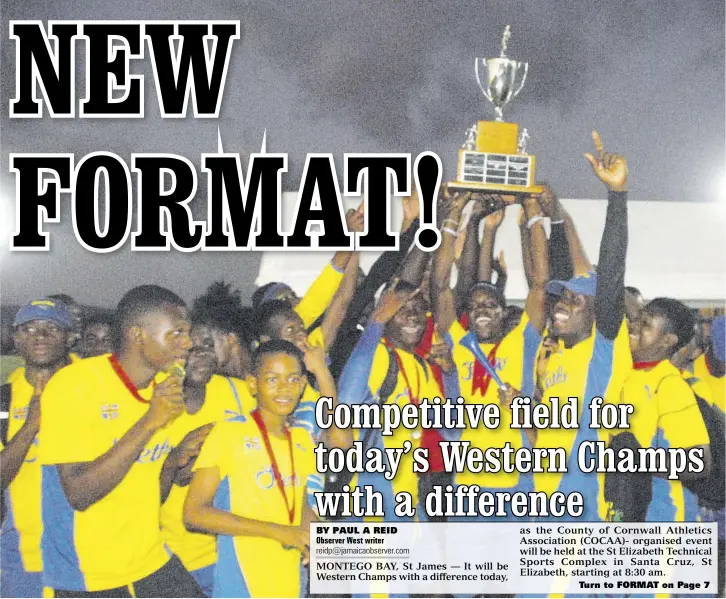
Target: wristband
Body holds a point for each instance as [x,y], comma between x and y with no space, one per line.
[557,222]
[533,220]
[451,231]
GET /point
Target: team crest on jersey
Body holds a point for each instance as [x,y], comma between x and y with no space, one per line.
[109,411]
[252,444]
[265,479]
[20,413]
[557,377]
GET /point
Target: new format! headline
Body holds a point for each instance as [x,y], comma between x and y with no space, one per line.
[190,62]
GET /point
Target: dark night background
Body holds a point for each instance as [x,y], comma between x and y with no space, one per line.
[391,77]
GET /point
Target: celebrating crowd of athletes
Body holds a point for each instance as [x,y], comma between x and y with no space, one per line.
[165,450]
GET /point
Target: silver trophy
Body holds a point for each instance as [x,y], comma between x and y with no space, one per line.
[503,76]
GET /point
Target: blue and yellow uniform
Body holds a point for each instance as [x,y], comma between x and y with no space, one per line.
[361,383]
[514,360]
[304,418]
[86,408]
[717,384]
[666,415]
[317,299]
[21,563]
[595,367]
[304,414]
[257,566]
[225,399]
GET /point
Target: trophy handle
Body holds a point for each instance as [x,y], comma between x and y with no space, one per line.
[485,90]
[524,78]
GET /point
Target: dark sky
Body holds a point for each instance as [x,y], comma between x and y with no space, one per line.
[381,76]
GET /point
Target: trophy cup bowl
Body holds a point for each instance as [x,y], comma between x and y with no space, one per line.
[504,79]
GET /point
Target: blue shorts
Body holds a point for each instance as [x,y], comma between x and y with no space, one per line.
[19,583]
[205,579]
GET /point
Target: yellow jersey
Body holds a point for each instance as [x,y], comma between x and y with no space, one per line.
[514,361]
[257,566]
[22,526]
[666,415]
[319,295]
[86,408]
[316,339]
[225,399]
[303,417]
[595,367]
[415,382]
[717,384]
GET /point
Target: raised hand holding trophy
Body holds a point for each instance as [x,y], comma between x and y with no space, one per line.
[494,157]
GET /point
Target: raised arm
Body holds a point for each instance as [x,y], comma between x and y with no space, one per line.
[500,267]
[315,363]
[536,298]
[468,265]
[486,253]
[526,247]
[612,170]
[353,386]
[386,266]
[442,297]
[580,263]
[319,295]
[335,314]
[414,266]
[560,260]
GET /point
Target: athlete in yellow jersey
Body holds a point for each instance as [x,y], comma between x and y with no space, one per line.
[684,360]
[593,357]
[711,366]
[109,449]
[277,320]
[249,485]
[512,354]
[209,399]
[41,338]
[666,413]
[395,329]
[710,369]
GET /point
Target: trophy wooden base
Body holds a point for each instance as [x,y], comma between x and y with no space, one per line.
[495,189]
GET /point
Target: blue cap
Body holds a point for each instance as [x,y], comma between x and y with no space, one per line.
[718,337]
[44,309]
[581,284]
